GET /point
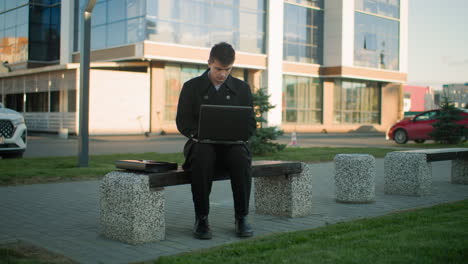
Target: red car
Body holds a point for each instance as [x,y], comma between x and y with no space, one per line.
[417,128]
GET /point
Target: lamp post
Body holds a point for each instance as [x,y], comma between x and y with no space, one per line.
[83,142]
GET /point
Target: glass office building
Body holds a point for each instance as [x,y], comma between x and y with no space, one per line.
[199,23]
[326,64]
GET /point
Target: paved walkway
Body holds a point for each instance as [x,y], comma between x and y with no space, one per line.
[64,217]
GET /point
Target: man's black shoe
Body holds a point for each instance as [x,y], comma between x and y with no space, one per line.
[201,230]
[243,228]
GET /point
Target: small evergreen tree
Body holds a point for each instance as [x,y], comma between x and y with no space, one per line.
[446,130]
[261,141]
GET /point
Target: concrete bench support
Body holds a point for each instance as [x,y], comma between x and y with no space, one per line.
[407,173]
[131,212]
[132,203]
[355,178]
[285,195]
[459,171]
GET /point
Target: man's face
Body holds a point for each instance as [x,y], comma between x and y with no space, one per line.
[218,71]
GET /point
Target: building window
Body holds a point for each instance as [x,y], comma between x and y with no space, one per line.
[44,92]
[44,30]
[302,100]
[14,101]
[14,28]
[389,8]
[204,23]
[357,102]
[303,35]
[127,17]
[176,76]
[37,102]
[63,101]
[376,42]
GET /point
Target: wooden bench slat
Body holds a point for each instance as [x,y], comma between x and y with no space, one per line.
[259,169]
[442,154]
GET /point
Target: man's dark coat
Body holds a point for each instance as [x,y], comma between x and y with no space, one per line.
[200,90]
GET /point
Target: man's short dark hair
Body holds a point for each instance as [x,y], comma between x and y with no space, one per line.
[223,52]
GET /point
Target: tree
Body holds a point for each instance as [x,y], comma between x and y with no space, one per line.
[261,141]
[446,130]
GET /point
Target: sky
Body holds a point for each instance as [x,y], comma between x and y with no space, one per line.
[437,42]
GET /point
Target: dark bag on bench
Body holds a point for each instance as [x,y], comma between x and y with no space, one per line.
[146,165]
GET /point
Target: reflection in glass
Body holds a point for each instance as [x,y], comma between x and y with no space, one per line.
[98,37]
[302,34]
[376,42]
[99,14]
[357,102]
[44,32]
[116,34]
[390,8]
[117,10]
[302,100]
[14,37]
[199,23]
[176,75]
[203,23]
[135,30]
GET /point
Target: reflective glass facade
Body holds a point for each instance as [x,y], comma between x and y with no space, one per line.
[302,100]
[389,8]
[377,38]
[303,31]
[357,102]
[113,23]
[200,23]
[204,23]
[44,37]
[14,28]
[29,30]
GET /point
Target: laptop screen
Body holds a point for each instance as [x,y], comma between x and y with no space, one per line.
[224,123]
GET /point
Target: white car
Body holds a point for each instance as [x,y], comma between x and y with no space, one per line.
[13,133]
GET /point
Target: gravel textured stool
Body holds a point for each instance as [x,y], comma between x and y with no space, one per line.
[285,195]
[131,212]
[459,172]
[355,178]
[407,173]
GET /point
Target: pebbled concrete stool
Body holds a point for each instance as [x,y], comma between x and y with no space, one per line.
[131,211]
[355,178]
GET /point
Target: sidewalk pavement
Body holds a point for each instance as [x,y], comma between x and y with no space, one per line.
[64,217]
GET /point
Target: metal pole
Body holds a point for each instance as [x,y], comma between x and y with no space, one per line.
[83,142]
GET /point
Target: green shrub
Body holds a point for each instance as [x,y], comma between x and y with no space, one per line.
[261,141]
[446,130]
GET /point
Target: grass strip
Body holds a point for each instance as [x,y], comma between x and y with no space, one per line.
[431,235]
[25,253]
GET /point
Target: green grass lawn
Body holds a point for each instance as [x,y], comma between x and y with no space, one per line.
[432,235]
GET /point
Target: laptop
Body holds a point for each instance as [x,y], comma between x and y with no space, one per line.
[224,124]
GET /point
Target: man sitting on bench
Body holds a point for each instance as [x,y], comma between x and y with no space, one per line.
[216,87]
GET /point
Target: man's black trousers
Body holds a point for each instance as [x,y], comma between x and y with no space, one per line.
[203,160]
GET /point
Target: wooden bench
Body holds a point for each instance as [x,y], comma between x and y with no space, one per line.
[133,204]
[410,172]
